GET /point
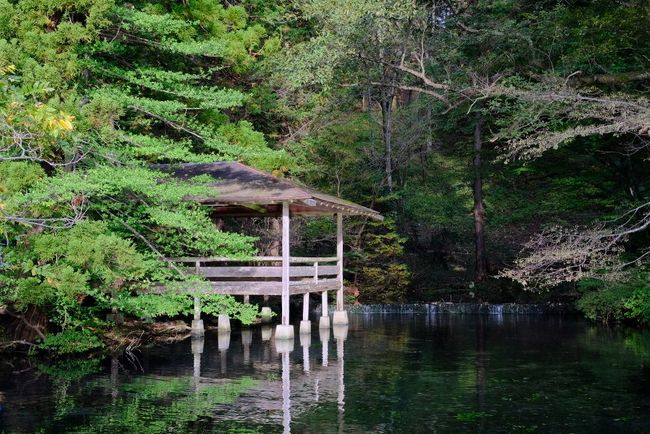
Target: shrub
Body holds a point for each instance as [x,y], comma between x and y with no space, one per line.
[72,342]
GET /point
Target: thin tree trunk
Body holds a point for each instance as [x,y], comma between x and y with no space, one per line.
[275,245]
[276,235]
[480,257]
[387,129]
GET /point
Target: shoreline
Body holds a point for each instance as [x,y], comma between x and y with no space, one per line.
[463,308]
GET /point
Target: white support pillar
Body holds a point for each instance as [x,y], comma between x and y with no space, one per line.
[324,321]
[340,315]
[284,330]
[197,322]
[223,323]
[265,314]
[305,324]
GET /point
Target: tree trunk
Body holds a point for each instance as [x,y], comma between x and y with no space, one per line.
[480,257]
[276,236]
[275,245]
[387,129]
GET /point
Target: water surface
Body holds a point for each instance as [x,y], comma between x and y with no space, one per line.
[383,373]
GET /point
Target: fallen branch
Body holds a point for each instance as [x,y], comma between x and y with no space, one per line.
[24,321]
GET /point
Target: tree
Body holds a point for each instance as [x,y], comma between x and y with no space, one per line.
[91,94]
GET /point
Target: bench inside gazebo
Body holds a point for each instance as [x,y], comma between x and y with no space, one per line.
[242,191]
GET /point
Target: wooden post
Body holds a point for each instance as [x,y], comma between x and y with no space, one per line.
[305,307]
[197,322]
[340,315]
[197,302]
[305,324]
[324,321]
[339,260]
[323,302]
[197,308]
[284,330]
[285,263]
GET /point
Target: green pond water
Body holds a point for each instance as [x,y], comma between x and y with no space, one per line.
[381,374]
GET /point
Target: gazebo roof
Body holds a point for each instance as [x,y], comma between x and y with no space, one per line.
[242,191]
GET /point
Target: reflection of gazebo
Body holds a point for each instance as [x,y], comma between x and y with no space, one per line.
[241,191]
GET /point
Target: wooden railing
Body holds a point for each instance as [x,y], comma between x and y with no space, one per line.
[262,272]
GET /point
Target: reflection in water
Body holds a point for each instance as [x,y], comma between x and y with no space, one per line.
[286,392]
[303,386]
[267,331]
[223,343]
[340,334]
[305,343]
[246,341]
[324,333]
[390,374]
[198,342]
[115,366]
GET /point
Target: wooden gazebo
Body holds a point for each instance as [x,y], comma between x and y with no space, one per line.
[242,191]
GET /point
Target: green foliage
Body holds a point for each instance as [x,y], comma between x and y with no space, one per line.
[384,277]
[17,176]
[69,369]
[181,302]
[552,81]
[638,305]
[152,405]
[470,416]
[147,306]
[58,270]
[91,94]
[71,342]
[607,302]
[216,304]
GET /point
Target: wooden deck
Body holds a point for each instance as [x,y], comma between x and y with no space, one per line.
[262,275]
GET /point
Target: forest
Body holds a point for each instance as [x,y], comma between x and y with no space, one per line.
[505,141]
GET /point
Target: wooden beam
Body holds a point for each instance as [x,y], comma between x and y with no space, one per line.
[258,288]
[292,260]
[269,288]
[266,272]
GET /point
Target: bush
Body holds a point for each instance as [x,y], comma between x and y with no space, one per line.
[615,302]
[72,342]
[638,305]
[606,305]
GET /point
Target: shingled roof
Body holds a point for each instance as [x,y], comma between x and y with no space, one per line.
[240,190]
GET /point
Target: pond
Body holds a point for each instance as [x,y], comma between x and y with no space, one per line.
[381,374]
